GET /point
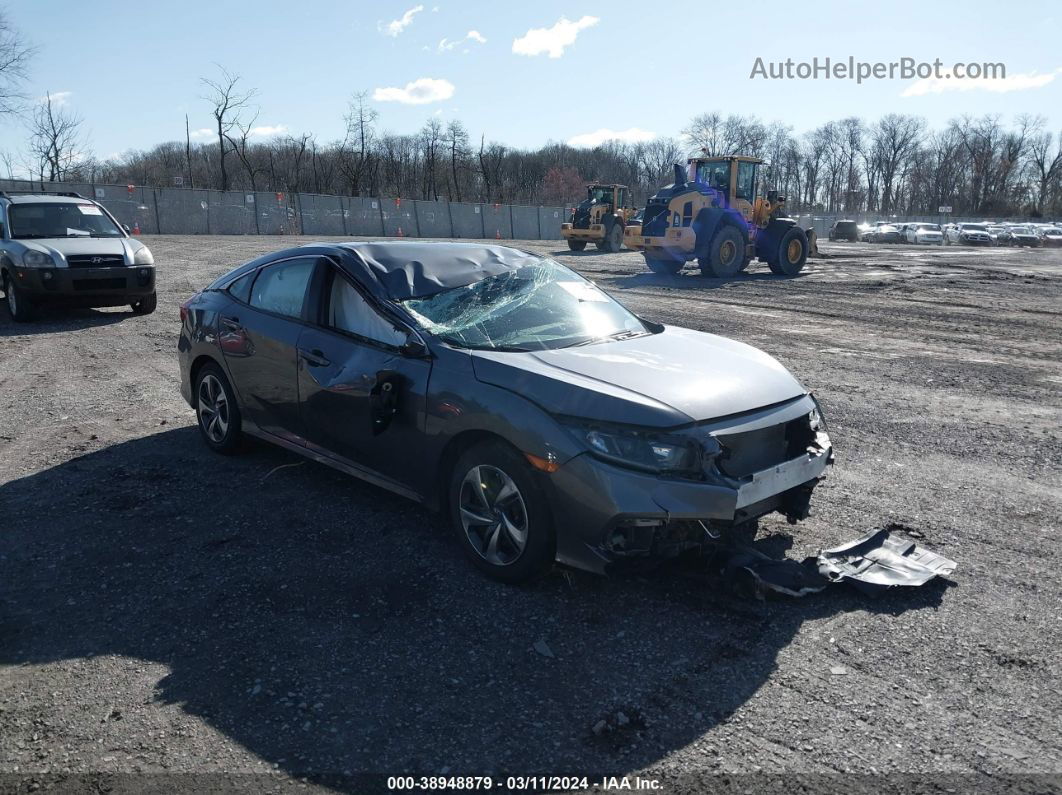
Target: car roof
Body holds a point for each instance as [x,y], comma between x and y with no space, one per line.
[43,198]
[398,270]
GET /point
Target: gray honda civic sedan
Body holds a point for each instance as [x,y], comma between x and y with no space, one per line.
[548,421]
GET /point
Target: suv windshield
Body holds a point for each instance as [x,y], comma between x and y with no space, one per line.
[60,219]
[536,307]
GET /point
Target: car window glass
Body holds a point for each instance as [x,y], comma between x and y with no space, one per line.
[241,288]
[281,288]
[349,312]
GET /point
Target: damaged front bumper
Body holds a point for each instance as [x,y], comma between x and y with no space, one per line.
[610,518]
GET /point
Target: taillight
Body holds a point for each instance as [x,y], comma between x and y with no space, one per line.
[185,307]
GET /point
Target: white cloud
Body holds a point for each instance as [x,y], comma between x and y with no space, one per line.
[396,26]
[552,41]
[598,137]
[58,97]
[419,92]
[202,132]
[473,35]
[995,85]
[267,130]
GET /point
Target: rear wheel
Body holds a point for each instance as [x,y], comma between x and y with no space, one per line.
[19,305]
[576,245]
[726,254]
[216,408]
[499,513]
[665,266]
[614,238]
[790,254]
[146,305]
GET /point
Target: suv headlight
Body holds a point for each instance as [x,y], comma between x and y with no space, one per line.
[647,450]
[37,259]
[143,256]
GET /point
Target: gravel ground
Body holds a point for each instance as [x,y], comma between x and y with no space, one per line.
[167,611]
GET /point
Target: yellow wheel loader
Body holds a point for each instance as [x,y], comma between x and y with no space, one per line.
[712,214]
[600,218]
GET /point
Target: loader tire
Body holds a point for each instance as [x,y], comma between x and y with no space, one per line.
[726,254]
[790,253]
[664,266]
[576,245]
[613,241]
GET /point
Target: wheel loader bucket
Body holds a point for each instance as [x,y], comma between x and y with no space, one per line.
[813,241]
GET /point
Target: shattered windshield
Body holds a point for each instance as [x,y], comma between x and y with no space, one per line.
[536,307]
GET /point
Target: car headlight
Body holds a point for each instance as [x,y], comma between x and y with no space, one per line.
[143,257]
[647,450]
[37,259]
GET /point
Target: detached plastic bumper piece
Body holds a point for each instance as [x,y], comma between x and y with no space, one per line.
[880,560]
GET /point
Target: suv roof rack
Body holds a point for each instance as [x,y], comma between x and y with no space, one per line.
[6,194]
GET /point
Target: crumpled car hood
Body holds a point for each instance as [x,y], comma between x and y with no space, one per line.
[659,380]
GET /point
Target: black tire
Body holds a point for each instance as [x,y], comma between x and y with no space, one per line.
[663,266]
[790,254]
[614,238]
[726,254]
[228,441]
[527,511]
[146,305]
[19,305]
[576,245]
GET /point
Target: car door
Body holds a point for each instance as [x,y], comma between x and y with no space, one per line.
[259,339]
[362,398]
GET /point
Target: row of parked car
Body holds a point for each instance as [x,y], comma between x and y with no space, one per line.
[967,234]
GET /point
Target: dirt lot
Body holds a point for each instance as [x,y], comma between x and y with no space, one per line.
[166,610]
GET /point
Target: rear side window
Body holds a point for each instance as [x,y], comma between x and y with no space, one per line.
[281,288]
[241,288]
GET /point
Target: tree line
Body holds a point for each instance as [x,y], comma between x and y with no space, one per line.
[896,164]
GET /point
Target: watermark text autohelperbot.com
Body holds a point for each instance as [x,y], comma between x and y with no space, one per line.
[851,69]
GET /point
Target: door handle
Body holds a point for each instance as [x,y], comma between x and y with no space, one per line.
[315,357]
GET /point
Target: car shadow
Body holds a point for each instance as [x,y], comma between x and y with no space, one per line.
[332,628]
[52,319]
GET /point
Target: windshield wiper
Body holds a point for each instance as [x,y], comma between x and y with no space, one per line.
[503,348]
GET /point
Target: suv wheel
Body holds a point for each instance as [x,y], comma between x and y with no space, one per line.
[146,305]
[18,305]
[499,513]
[216,409]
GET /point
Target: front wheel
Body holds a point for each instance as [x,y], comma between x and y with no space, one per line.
[576,245]
[614,239]
[18,305]
[663,266]
[499,513]
[726,254]
[146,305]
[791,253]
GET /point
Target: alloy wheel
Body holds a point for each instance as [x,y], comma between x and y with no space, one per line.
[493,515]
[213,408]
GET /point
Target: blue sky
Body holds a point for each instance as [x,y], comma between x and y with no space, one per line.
[632,67]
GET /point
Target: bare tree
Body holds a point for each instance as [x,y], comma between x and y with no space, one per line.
[15,55]
[457,142]
[55,139]
[227,105]
[355,152]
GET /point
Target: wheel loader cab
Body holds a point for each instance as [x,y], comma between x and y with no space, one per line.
[712,213]
[600,218]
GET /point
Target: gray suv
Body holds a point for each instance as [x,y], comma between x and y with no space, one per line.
[64,248]
[547,421]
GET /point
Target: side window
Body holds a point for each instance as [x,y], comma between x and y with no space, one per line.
[241,288]
[349,312]
[281,288]
[746,182]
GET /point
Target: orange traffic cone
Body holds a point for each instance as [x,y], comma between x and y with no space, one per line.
[497,234]
[136,227]
[400,234]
